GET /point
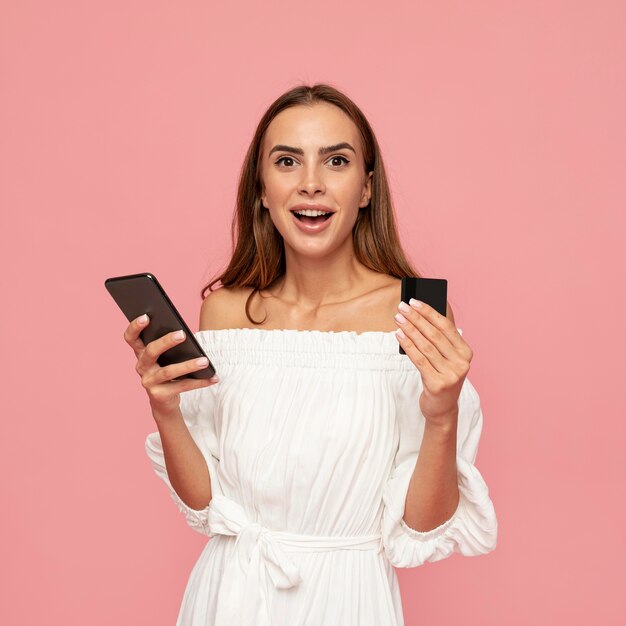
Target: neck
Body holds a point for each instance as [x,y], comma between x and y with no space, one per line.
[311,283]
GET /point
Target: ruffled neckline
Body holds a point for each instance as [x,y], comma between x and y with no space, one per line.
[352,334]
[293,331]
[373,350]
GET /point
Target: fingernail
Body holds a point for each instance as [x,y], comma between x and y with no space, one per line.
[400,333]
[179,334]
[403,306]
[400,319]
[415,303]
[142,319]
[202,361]
[215,379]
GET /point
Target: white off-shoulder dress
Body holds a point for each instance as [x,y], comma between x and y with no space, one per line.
[311,439]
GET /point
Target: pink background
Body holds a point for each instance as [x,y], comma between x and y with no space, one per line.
[122,130]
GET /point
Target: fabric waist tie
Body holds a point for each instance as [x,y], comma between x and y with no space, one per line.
[260,552]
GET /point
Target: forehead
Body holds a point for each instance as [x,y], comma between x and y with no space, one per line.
[302,126]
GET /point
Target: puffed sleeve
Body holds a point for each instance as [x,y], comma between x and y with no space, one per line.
[197,407]
[472,529]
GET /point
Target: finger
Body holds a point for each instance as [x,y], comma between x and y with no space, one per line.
[187,384]
[162,394]
[423,351]
[443,333]
[156,348]
[416,357]
[428,326]
[132,332]
[175,370]
[444,324]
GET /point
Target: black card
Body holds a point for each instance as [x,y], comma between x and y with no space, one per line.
[432,291]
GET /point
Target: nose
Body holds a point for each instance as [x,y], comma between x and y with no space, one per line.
[311,182]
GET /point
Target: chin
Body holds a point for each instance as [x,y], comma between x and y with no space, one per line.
[318,249]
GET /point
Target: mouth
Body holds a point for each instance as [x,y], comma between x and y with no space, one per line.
[312,217]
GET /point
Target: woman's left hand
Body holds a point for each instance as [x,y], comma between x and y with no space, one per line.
[442,356]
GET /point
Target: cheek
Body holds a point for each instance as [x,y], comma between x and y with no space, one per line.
[348,188]
[276,186]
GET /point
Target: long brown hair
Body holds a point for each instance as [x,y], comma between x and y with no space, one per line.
[258,249]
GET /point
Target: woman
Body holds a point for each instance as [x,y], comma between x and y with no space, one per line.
[301,461]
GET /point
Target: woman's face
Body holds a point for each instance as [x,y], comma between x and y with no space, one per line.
[312,160]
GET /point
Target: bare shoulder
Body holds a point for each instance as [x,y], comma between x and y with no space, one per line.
[224,308]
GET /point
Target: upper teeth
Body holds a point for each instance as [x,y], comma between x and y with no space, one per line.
[311,212]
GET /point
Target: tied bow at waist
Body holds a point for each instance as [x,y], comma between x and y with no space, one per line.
[260,552]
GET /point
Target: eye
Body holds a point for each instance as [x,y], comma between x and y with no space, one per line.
[285,158]
[345,161]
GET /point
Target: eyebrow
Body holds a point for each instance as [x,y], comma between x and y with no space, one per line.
[344,145]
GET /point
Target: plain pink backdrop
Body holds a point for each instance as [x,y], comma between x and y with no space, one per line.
[123,126]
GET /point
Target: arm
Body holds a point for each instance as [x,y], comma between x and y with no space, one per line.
[173,449]
[184,452]
[434,484]
[185,462]
[186,466]
[433,494]
[472,527]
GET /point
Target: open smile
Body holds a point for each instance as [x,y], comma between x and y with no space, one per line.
[312,220]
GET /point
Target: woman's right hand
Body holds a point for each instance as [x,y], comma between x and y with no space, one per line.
[164,393]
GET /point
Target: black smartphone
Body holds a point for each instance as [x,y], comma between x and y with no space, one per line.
[137,294]
[432,291]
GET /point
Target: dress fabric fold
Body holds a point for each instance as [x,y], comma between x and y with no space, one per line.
[310,440]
